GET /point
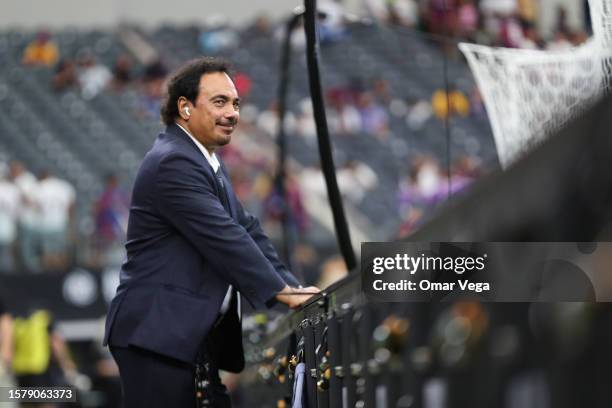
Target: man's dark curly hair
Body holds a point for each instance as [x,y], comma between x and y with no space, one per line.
[185,81]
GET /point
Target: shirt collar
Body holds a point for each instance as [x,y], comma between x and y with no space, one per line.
[210,158]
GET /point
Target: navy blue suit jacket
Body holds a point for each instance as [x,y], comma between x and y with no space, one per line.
[183,251]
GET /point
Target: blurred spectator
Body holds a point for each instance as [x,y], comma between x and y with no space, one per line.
[93,77]
[467,19]
[122,72]
[442,17]
[306,126]
[530,38]
[560,15]
[511,34]
[499,8]
[218,39]
[418,114]
[261,27]
[374,118]
[155,71]
[423,188]
[401,12]
[41,357]
[29,235]
[483,35]
[150,99]
[420,189]
[344,115]
[41,51]
[528,11]
[355,180]
[111,216]
[313,182]
[273,205]
[297,38]
[560,42]
[348,118]
[268,120]
[346,93]
[404,12]
[65,76]
[381,91]
[9,211]
[331,26]
[426,186]
[459,103]
[243,84]
[464,171]
[151,90]
[245,183]
[55,199]
[579,37]
[498,17]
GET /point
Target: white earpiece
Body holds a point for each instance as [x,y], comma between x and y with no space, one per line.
[187,111]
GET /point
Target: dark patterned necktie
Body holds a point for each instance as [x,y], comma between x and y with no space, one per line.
[222,189]
[225,203]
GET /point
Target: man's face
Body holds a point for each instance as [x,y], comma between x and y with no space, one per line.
[216,112]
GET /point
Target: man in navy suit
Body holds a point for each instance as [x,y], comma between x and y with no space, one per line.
[191,248]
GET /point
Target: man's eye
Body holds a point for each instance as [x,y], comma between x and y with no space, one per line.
[237,106]
[218,103]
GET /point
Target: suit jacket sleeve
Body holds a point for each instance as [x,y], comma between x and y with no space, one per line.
[251,224]
[185,196]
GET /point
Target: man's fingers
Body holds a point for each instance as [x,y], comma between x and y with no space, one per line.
[311,289]
[294,297]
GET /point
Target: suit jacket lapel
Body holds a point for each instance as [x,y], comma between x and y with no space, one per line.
[175,130]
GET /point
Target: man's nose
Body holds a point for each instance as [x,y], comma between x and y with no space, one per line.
[232,114]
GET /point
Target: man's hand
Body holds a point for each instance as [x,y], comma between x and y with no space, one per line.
[294,297]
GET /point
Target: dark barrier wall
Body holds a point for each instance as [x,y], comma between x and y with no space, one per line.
[467,353]
[78,294]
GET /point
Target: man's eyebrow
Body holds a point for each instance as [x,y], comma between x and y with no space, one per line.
[219,96]
[225,98]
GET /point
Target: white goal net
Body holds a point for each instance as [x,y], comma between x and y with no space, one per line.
[529,94]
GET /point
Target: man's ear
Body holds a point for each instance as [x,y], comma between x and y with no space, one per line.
[184,108]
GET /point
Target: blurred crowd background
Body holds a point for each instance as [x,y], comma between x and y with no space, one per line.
[79,108]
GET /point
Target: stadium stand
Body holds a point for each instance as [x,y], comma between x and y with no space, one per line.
[82,138]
